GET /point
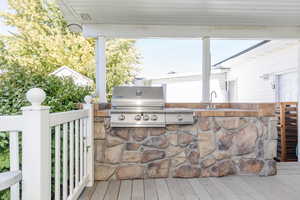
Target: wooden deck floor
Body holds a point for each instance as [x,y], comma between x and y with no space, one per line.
[284,186]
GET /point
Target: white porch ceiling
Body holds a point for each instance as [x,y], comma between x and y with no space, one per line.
[186,12]
[192,13]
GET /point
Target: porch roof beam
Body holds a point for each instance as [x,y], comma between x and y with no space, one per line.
[167,31]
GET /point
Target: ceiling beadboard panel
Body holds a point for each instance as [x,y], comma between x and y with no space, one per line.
[184,12]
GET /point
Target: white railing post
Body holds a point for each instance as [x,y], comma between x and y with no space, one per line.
[90,140]
[36,148]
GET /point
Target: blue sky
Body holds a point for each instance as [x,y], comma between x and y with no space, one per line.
[3,6]
[160,56]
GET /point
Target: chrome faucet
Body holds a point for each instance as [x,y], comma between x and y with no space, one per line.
[210,105]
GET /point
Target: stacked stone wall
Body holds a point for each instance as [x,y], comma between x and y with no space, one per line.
[212,146]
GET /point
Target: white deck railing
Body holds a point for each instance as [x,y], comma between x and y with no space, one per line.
[67,135]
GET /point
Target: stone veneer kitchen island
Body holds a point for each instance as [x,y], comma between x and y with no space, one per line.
[241,139]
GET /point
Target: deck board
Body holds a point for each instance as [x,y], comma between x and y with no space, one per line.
[138,190]
[150,190]
[175,190]
[228,194]
[214,192]
[241,188]
[201,192]
[125,190]
[162,189]
[113,190]
[187,189]
[100,190]
[285,186]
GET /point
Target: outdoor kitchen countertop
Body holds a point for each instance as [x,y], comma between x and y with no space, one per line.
[227,112]
[219,112]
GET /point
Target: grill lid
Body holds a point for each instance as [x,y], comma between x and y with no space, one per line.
[138,96]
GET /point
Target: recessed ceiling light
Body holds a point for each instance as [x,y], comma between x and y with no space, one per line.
[75,28]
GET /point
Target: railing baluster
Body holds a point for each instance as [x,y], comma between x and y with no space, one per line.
[76,153]
[81,149]
[85,147]
[57,162]
[14,163]
[71,169]
[65,161]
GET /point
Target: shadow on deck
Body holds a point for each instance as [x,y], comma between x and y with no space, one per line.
[284,186]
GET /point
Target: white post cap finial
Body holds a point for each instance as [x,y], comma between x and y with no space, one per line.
[88,99]
[36,96]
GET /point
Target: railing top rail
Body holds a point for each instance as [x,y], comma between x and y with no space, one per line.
[11,123]
[8,179]
[64,117]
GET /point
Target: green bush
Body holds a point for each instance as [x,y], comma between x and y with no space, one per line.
[62,95]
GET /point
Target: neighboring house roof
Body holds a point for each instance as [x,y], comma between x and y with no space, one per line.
[78,78]
[262,49]
[242,52]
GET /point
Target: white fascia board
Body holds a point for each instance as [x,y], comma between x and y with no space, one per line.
[170,31]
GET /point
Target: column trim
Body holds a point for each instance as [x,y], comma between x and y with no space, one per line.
[100,69]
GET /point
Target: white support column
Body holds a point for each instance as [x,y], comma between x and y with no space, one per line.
[101,70]
[298,76]
[90,140]
[206,68]
[36,148]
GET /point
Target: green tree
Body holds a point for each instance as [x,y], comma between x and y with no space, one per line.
[42,43]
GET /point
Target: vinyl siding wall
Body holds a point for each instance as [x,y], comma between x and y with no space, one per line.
[276,57]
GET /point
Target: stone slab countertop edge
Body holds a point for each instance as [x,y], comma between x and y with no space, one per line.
[224,110]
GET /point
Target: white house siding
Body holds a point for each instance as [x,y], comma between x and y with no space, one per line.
[184,91]
[188,88]
[273,58]
[288,86]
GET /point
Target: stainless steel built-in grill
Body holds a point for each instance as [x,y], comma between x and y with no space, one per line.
[144,107]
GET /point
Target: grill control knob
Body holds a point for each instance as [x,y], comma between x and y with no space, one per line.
[138,117]
[146,117]
[154,117]
[179,117]
[121,117]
